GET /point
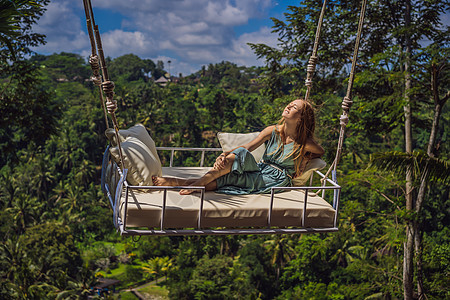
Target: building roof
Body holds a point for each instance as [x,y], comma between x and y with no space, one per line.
[104,283]
[162,79]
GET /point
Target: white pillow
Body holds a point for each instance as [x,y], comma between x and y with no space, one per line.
[229,141]
[139,160]
[138,131]
[313,165]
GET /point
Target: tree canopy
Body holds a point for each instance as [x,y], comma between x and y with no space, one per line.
[56,226]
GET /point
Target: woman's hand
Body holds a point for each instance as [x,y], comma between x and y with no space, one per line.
[220,161]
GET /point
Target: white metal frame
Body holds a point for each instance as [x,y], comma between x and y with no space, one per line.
[115,196]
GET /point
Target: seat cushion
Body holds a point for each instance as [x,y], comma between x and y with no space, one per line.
[144,209]
[138,131]
[139,160]
[313,165]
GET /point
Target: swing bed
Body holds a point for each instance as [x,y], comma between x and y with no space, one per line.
[143,209]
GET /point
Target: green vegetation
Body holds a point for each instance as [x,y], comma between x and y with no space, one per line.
[56,227]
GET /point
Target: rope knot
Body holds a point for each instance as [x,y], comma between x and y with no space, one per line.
[347,103]
[313,60]
[308,82]
[108,88]
[97,80]
[310,68]
[311,65]
[111,106]
[344,120]
[93,60]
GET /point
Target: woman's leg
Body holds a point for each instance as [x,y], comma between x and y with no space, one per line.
[170,181]
[209,179]
[212,186]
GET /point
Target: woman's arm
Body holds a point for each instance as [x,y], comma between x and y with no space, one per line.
[258,141]
[312,150]
[255,143]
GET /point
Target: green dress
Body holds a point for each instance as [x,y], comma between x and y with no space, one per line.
[249,177]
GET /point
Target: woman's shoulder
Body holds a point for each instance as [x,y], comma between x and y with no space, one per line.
[270,128]
[265,134]
[268,131]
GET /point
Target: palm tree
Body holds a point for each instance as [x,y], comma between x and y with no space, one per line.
[85,172]
[167,265]
[422,166]
[422,169]
[23,277]
[12,256]
[59,191]
[281,249]
[342,255]
[78,287]
[8,186]
[43,178]
[9,17]
[64,151]
[157,265]
[23,211]
[71,204]
[72,196]
[389,242]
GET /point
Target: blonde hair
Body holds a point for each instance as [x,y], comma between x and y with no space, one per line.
[304,130]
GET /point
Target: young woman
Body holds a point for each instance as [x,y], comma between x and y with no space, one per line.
[290,146]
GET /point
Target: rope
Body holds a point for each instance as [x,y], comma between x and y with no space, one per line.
[104,84]
[347,101]
[93,58]
[311,68]
[97,79]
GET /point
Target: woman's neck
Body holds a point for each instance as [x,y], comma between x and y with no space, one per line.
[289,131]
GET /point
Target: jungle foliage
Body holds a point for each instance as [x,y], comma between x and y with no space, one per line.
[56,226]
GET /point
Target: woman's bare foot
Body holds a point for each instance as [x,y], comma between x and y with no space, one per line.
[189,191]
[186,192]
[164,181]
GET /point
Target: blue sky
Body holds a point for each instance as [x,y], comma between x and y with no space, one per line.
[189,33]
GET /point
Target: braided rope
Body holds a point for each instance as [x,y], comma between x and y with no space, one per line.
[95,66]
[97,79]
[93,58]
[347,102]
[104,84]
[311,68]
[89,25]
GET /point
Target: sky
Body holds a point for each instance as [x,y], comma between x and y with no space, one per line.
[189,33]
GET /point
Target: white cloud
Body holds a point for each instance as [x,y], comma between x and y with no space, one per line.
[225,14]
[189,33]
[241,53]
[119,42]
[198,40]
[63,29]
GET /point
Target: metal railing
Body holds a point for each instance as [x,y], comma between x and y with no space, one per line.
[173,149]
[115,200]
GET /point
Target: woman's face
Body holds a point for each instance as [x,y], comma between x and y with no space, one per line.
[292,110]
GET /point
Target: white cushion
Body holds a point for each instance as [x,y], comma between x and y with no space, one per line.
[138,131]
[313,165]
[229,141]
[139,160]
